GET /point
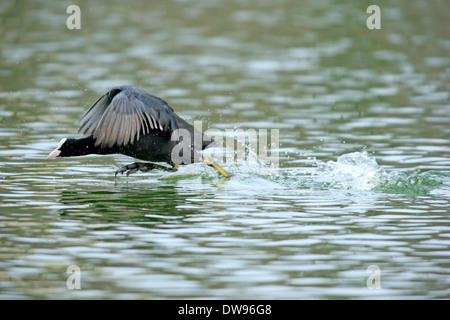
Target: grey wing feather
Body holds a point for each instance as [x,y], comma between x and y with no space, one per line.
[92,117]
[124,114]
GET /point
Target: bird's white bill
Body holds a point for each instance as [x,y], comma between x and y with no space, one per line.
[54,154]
[57,152]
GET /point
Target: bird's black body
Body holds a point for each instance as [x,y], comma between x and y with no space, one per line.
[129,121]
[154,146]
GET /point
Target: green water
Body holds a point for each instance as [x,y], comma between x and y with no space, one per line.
[364,156]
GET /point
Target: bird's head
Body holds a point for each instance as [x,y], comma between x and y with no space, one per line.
[60,150]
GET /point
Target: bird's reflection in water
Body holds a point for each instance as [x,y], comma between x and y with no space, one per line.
[148,206]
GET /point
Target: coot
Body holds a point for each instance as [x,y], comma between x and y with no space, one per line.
[129,121]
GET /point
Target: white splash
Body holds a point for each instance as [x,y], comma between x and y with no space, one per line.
[356,171]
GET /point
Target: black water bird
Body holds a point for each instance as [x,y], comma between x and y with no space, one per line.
[129,121]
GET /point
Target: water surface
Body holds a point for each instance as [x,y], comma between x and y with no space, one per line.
[363,120]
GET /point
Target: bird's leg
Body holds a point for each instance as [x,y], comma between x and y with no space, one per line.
[217,167]
[142,166]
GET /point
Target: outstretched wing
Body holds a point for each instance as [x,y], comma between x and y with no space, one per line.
[125,113]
